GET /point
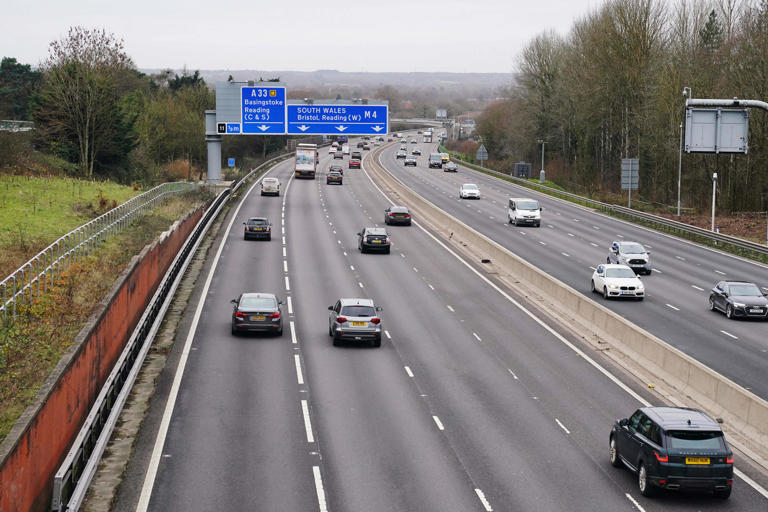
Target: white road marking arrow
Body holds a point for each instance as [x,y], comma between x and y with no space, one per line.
[378,128]
[303,127]
[263,127]
[341,128]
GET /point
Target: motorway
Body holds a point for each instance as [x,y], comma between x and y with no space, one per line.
[471,403]
[573,240]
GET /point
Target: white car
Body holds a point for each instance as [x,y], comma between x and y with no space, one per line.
[617,281]
[331,150]
[469,191]
[270,186]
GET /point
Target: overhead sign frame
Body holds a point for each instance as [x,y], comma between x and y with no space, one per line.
[716,130]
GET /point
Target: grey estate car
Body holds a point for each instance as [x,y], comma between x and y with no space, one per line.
[354,320]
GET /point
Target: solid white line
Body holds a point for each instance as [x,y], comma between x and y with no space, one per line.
[694,286]
[387,334]
[290,304]
[513,374]
[293,334]
[476,336]
[634,502]
[307,422]
[408,371]
[729,334]
[562,426]
[438,422]
[285,266]
[481,497]
[759,488]
[299,374]
[162,433]
[319,487]
[673,307]
[450,308]
[287,284]
[721,273]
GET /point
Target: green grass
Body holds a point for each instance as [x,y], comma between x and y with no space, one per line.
[35,211]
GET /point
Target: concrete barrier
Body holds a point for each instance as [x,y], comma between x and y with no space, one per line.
[691,382]
[39,440]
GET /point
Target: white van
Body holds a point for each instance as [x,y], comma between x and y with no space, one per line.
[270,186]
[524,210]
[345,149]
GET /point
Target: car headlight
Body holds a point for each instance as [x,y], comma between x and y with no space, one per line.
[613,286]
[640,286]
[739,305]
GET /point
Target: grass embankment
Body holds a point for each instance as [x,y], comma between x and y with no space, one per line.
[32,346]
[35,211]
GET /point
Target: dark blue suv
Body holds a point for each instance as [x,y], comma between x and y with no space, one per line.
[673,448]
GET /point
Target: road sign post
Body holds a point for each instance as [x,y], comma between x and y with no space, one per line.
[630,176]
[482,154]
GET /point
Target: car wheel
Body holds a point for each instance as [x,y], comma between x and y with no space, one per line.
[711,304]
[592,286]
[515,221]
[640,298]
[279,332]
[269,238]
[729,311]
[388,250]
[330,331]
[336,340]
[538,224]
[723,494]
[377,342]
[510,219]
[605,292]
[608,260]
[613,453]
[234,331]
[645,487]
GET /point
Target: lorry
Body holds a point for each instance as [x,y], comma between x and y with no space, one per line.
[345,149]
[427,137]
[306,161]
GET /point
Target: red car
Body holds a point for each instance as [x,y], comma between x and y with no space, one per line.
[354,163]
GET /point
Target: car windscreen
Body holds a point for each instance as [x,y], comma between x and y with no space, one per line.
[257,222]
[688,440]
[745,290]
[619,272]
[632,248]
[398,209]
[270,180]
[367,311]
[470,187]
[528,205]
[257,303]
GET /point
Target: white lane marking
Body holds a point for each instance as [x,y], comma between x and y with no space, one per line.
[657,271]
[476,336]
[283,252]
[351,267]
[402,255]
[575,220]
[513,374]
[596,227]
[283,240]
[571,234]
[319,488]
[481,497]
[634,502]
[759,488]
[565,254]
[285,266]
[523,233]
[593,268]
[339,241]
[386,333]
[290,304]
[299,374]
[287,284]
[593,244]
[345,252]
[361,284]
[696,287]
[334,231]
[450,308]
[162,432]
[563,426]
[415,269]
[673,307]
[431,287]
[293,334]
[307,422]
[542,243]
[438,422]
[283,228]
[550,226]
[729,334]
[408,371]
[680,258]
[719,272]
[622,236]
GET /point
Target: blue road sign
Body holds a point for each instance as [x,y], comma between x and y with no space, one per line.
[233,128]
[231,162]
[336,119]
[263,109]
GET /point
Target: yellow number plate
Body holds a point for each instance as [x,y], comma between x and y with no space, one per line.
[361,324]
[697,460]
[257,317]
[375,241]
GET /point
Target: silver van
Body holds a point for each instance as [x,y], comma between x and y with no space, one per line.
[524,210]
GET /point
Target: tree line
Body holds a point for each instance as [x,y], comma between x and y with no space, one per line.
[611,88]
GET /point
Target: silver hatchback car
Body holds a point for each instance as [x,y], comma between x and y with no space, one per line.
[354,320]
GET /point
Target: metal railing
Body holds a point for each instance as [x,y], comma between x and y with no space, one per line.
[732,244]
[39,273]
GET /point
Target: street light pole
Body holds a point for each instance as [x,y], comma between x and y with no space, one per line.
[714,191]
[542,174]
[686,93]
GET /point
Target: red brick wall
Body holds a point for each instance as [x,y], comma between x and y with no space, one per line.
[26,474]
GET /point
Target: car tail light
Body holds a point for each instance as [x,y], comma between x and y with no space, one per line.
[239,314]
[390,214]
[407,215]
[341,319]
[729,459]
[268,229]
[661,458]
[387,239]
[275,315]
[376,320]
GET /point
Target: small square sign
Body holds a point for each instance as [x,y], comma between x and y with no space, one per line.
[231,162]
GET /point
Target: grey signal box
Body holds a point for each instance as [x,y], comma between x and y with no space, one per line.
[716,130]
[522,170]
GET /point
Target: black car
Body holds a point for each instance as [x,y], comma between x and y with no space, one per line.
[739,299]
[450,167]
[410,160]
[334,177]
[257,228]
[397,215]
[336,168]
[673,448]
[257,312]
[373,239]
[401,154]
[360,144]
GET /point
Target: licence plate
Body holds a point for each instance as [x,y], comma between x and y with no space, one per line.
[697,460]
[257,317]
[358,324]
[627,292]
[375,241]
[755,310]
[257,229]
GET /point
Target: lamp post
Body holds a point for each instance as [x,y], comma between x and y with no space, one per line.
[686,93]
[714,191]
[542,174]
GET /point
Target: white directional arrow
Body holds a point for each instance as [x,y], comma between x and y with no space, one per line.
[263,127]
[378,128]
[303,127]
[341,128]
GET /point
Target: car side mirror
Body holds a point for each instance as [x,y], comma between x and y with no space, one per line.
[281,301]
[243,223]
[725,294]
[623,423]
[330,308]
[233,301]
[541,209]
[378,308]
[648,253]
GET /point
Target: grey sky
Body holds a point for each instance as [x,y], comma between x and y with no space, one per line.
[301,35]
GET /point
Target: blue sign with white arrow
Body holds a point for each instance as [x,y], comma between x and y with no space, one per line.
[337,119]
[263,109]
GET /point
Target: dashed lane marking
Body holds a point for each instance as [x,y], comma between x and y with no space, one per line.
[307,422]
[563,426]
[438,423]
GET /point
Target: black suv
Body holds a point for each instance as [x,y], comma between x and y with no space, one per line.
[673,448]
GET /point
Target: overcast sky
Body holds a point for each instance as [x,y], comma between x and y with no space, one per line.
[299,35]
